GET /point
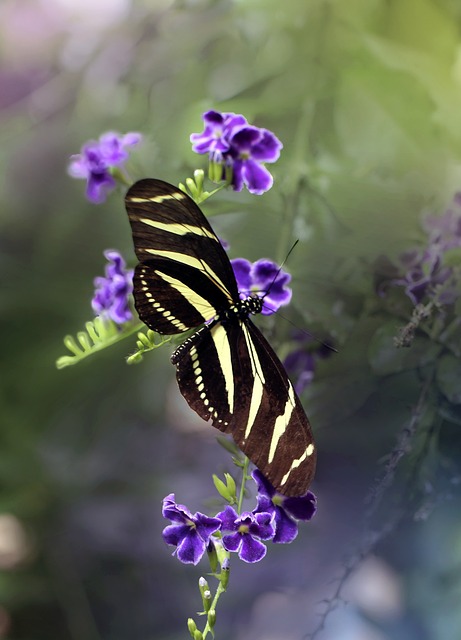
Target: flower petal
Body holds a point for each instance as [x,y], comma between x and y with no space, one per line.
[286,529]
[264,271]
[78,167]
[191,549]
[242,270]
[264,486]
[263,527]
[206,525]
[98,186]
[302,508]
[174,533]
[256,177]
[251,550]
[131,138]
[228,519]
[232,541]
[268,148]
[244,138]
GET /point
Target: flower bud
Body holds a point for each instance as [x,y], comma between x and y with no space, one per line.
[225,570]
[212,556]
[191,626]
[211,618]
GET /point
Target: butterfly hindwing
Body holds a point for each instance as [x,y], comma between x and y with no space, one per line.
[184,272]
[288,449]
[231,375]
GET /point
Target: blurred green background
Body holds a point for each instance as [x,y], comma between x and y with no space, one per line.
[366,97]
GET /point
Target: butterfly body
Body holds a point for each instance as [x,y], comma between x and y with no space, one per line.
[226,370]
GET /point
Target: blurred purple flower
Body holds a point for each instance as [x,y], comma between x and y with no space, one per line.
[300,366]
[111,296]
[426,271]
[445,230]
[234,144]
[246,532]
[261,277]
[97,158]
[286,511]
[301,362]
[190,534]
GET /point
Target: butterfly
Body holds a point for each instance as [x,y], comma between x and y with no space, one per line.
[227,371]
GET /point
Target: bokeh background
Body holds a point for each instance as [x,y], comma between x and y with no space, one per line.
[366,97]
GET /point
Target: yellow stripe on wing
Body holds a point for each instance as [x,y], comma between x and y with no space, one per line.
[221,342]
[295,464]
[191,261]
[258,382]
[281,423]
[202,306]
[179,228]
[177,195]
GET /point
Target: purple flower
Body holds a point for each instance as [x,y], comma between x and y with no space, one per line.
[302,361]
[265,278]
[214,139]
[427,274]
[190,534]
[300,366]
[97,158]
[239,148]
[445,230]
[246,532]
[111,296]
[250,147]
[421,271]
[286,511]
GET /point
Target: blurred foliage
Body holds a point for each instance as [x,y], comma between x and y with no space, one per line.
[366,97]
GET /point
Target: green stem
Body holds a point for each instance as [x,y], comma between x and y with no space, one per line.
[246,464]
[219,591]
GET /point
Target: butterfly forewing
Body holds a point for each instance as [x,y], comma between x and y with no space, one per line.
[226,370]
[177,248]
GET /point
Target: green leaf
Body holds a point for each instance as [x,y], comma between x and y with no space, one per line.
[226,490]
[452,257]
[448,376]
[228,445]
[374,124]
[338,397]
[100,333]
[147,341]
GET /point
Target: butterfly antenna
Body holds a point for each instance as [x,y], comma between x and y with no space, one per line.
[309,334]
[279,270]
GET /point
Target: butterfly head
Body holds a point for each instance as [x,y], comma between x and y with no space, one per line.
[252,305]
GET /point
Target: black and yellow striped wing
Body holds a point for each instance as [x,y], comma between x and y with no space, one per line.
[227,371]
[184,276]
[231,375]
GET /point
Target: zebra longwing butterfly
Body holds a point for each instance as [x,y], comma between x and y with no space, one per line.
[226,370]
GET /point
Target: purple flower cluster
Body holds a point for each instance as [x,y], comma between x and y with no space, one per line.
[112,291]
[274,518]
[96,160]
[238,149]
[430,273]
[265,278]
